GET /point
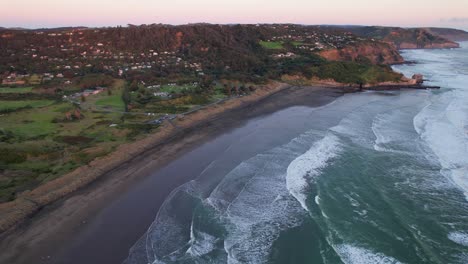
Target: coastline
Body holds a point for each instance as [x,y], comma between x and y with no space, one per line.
[28,203]
[47,226]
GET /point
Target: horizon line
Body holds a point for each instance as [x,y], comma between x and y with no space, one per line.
[227,24]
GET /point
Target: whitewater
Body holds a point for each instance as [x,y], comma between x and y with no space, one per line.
[374,177]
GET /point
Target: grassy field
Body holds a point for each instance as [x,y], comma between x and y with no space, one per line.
[112,101]
[272,44]
[297,43]
[41,142]
[104,100]
[45,145]
[29,124]
[15,90]
[14,105]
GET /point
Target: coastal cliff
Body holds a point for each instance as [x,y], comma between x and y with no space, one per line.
[375,52]
[410,38]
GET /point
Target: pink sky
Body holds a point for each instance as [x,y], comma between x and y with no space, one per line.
[53,13]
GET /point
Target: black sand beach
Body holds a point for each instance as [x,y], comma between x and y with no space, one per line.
[99,223]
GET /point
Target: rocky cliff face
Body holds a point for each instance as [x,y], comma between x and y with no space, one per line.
[375,52]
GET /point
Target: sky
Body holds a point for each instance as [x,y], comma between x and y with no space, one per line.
[406,13]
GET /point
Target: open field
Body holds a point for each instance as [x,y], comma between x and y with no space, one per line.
[113,101]
[272,44]
[41,140]
[6,106]
[15,90]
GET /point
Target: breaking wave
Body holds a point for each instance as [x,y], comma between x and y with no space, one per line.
[361,183]
[302,171]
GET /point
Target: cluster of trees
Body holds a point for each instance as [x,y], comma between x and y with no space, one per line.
[94,80]
[355,73]
[237,88]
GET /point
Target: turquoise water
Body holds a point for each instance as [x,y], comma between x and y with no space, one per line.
[375,177]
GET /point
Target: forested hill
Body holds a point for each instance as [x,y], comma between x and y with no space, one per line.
[221,51]
[409,38]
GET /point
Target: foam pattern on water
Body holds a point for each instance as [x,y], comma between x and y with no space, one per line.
[356,255]
[459,238]
[374,162]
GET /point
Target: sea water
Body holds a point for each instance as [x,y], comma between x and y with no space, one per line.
[374,177]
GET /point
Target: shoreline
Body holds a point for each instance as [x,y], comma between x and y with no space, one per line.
[62,218]
[64,213]
[30,202]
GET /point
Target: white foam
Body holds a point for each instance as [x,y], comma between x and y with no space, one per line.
[459,238]
[307,166]
[391,132]
[442,126]
[254,203]
[350,254]
[201,243]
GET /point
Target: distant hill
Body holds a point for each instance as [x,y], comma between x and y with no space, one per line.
[404,38]
[218,47]
[60,29]
[449,33]
[410,38]
[43,29]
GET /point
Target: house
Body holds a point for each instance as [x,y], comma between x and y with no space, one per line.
[162,94]
[13,81]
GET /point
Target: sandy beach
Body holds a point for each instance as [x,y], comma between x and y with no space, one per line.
[98,223]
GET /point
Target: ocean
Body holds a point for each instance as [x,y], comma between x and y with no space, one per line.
[373,177]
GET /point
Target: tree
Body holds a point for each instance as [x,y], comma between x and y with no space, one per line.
[227,88]
[126,97]
[134,86]
[236,88]
[242,88]
[77,114]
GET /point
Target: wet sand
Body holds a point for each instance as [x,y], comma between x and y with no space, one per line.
[100,222]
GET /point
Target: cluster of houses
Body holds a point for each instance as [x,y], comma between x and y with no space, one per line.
[72,52]
[16,79]
[75,53]
[162,119]
[156,89]
[315,40]
[284,55]
[13,79]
